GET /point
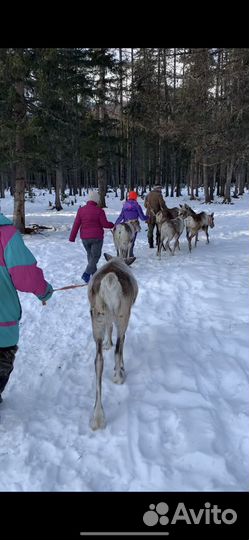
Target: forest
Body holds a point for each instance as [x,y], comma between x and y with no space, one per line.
[75,118]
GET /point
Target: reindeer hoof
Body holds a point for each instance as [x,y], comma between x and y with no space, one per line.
[107,345]
[98,421]
[119,378]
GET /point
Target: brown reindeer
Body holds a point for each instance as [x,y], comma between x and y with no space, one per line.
[170,213]
[111,293]
[154,202]
[195,223]
[163,215]
[169,229]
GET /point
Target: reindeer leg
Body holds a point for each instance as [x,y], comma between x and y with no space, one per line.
[157,235]
[98,419]
[159,248]
[119,372]
[168,246]
[189,242]
[171,250]
[121,325]
[196,238]
[177,241]
[176,244]
[188,237]
[206,231]
[108,343]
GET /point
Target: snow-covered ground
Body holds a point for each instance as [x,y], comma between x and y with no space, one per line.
[180,421]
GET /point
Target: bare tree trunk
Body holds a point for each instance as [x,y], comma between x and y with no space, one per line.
[2,194]
[19,193]
[237,180]
[101,181]
[121,162]
[166,173]
[173,174]
[197,179]
[143,171]
[193,166]
[174,79]
[58,187]
[221,185]
[227,193]
[158,165]
[187,176]
[205,181]
[100,158]
[131,143]
[241,182]
[212,183]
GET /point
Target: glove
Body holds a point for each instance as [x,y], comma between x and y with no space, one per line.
[48,294]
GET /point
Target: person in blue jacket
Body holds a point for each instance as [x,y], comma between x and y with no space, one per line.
[131,210]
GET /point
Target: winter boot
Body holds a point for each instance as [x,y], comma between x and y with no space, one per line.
[7,357]
[86,277]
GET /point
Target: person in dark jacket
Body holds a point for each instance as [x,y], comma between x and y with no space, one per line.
[154,202]
[131,210]
[18,272]
[91,220]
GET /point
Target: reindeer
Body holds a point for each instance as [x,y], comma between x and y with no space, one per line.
[123,236]
[168,229]
[171,213]
[168,213]
[111,293]
[195,223]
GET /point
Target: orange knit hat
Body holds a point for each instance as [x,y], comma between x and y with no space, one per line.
[132,196]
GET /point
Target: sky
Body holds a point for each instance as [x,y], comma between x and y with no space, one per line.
[180,420]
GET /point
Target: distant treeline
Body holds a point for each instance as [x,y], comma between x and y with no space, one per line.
[81,117]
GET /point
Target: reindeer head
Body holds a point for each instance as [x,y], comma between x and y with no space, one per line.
[211,220]
[128,261]
[183,211]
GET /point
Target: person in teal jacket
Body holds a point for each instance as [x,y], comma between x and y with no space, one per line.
[18,271]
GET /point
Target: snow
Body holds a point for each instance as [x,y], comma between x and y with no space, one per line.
[180,420]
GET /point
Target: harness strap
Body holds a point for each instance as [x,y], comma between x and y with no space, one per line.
[70,287]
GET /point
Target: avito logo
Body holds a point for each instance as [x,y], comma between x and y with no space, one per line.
[209,514]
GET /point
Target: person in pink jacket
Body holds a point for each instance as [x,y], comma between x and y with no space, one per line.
[91,220]
[18,272]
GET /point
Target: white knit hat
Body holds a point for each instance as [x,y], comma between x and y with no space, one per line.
[93,196]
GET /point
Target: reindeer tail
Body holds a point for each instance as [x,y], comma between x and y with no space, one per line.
[111,291]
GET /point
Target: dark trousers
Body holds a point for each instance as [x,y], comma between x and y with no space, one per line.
[151,225]
[7,357]
[93,247]
[132,245]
